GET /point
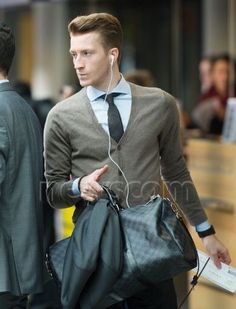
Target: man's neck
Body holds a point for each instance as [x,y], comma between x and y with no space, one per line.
[2,76]
[116,80]
[111,84]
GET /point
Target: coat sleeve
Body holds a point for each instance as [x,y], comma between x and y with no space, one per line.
[173,166]
[4,148]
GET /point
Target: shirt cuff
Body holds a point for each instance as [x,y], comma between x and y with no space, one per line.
[75,187]
[203,226]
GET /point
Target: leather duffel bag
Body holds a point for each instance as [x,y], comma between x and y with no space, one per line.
[157,247]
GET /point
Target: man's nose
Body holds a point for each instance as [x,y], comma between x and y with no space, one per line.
[78,63]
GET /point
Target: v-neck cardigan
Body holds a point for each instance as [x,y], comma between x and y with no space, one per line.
[76,145]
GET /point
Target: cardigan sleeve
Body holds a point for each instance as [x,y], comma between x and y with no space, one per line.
[173,166]
[57,154]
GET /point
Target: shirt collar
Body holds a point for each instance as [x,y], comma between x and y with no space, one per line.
[122,87]
[4,81]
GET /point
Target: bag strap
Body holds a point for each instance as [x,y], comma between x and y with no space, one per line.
[194,281]
[114,202]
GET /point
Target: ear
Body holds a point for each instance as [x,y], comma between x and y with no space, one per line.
[113,55]
[112,59]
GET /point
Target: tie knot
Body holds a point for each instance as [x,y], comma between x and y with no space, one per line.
[109,97]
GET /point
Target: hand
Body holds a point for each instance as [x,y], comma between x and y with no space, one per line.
[216,250]
[90,189]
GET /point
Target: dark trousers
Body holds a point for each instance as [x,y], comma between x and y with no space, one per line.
[9,301]
[161,296]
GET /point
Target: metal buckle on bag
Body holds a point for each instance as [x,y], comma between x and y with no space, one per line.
[112,198]
[174,208]
[153,198]
[172,204]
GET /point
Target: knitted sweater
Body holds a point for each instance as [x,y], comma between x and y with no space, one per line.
[76,145]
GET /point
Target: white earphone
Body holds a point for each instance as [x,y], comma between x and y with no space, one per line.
[112,60]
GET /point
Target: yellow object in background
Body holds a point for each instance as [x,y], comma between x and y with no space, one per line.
[67,224]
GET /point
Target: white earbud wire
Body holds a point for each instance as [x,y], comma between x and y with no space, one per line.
[109,146]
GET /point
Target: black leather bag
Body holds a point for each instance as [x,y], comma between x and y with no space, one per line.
[158,247]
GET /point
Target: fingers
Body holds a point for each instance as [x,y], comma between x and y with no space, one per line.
[225,257]
[99,172]
[90,189]
[221,258]
[216,261]
[216,250]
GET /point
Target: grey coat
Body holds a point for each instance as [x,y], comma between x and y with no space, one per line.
[94,257]
[21,251]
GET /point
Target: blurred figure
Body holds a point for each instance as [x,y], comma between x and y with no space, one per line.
[210,111]
[140,77]
[47,299]
[205,73]
[41,109]
[66,91]
[21,166]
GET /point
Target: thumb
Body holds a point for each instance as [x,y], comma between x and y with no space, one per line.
[100,172]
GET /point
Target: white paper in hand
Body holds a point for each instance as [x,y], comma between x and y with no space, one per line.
[224,277]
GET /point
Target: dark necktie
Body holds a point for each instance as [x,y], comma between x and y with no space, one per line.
[114,120]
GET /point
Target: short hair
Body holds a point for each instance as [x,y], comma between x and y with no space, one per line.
[221,57]
[7,48]
[107,25]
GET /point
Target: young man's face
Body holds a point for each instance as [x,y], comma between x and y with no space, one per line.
[90,59]
[221,75]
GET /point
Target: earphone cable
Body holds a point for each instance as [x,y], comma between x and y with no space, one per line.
[109,146]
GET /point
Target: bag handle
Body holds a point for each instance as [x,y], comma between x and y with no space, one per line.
[112,198]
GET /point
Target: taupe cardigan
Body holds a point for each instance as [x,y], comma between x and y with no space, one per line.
[76,145]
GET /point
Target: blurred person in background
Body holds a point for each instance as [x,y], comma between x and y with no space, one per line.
[66,91]
[140,77]
[21,166]
[47,299]
[205,74]
[41,109]
[209,113]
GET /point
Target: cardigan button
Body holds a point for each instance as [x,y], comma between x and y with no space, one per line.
[119,147]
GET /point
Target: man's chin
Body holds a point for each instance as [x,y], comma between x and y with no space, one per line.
[84,83]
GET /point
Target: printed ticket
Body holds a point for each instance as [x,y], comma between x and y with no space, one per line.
[224,277]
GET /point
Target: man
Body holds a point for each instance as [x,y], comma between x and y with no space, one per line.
[209,113]
[205,73]
[82,151]
[21,244]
